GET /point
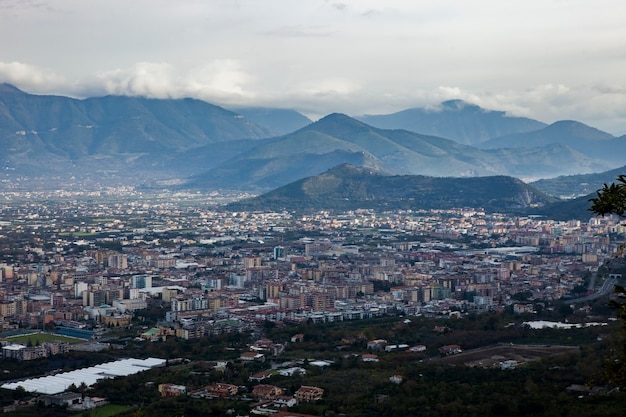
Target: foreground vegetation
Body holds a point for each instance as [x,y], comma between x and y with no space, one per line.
[431,385]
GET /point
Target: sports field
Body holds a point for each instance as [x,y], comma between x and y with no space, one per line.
[38,338]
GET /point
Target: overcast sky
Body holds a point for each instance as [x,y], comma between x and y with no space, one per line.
[546,59]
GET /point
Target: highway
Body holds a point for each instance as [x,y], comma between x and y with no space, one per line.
[606,288]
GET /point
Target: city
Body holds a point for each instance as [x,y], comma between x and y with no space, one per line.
[98,266]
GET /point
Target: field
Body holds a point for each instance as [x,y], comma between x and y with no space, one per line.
[39,338]
[77,234]
[493,355]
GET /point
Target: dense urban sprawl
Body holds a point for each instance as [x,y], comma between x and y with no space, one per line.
[89,261]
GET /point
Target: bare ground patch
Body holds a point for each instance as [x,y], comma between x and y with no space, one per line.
[494,355]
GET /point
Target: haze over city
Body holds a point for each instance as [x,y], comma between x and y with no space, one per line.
[545,60]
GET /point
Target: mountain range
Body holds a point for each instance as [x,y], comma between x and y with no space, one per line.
[320,145]
[197,145]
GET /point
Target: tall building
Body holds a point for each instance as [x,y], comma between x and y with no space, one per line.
[251,262]
[7,272]
[94,298]
[79,287]
[118,261]
[142,281]
[279,252]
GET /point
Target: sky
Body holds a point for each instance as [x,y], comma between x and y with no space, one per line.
[545,59]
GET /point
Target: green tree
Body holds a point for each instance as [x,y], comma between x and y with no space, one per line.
[611,199]
[19,393]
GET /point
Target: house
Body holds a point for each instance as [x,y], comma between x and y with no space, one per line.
[252,356]
[172,390]
[369,357]
[377,345]
[418,348]
[297,338]
[222,390]
[65,399]
[396,379]
[296,370]
[522,308]
[308,393]
[266,392]
[93,402]
[284,401]
[265,345]
[260,376]
[450,350]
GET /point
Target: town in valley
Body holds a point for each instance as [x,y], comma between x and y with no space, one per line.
[120,267]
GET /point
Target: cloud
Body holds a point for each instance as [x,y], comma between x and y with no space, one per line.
[22,4]
[596,105]
[218,80]
[301,31]
[32,78]
[233,82]
[341,6]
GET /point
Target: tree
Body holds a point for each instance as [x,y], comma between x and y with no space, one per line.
[611,199]
[19,393]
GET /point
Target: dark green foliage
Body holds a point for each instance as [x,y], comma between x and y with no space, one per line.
[616,360]
[611,199]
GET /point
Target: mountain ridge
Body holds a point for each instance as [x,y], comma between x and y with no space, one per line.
[145,141]
[458,120]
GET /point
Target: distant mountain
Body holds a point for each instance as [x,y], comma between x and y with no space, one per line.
[278,121]
[49,133]
[578,136]
[269,173]
[458,120]
[52,141]
[571,186]
[347,187]
[391,151]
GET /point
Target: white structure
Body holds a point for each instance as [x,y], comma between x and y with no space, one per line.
[89,376]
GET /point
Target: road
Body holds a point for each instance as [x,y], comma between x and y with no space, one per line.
[606,288]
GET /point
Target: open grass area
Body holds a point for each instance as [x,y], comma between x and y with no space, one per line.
[77,234]
[38,338]
[108,410]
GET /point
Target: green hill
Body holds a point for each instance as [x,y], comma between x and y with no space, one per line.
[347,187]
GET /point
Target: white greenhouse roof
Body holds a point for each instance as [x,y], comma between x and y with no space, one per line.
[89,376]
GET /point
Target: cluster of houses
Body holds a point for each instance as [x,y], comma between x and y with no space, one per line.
[268,398]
